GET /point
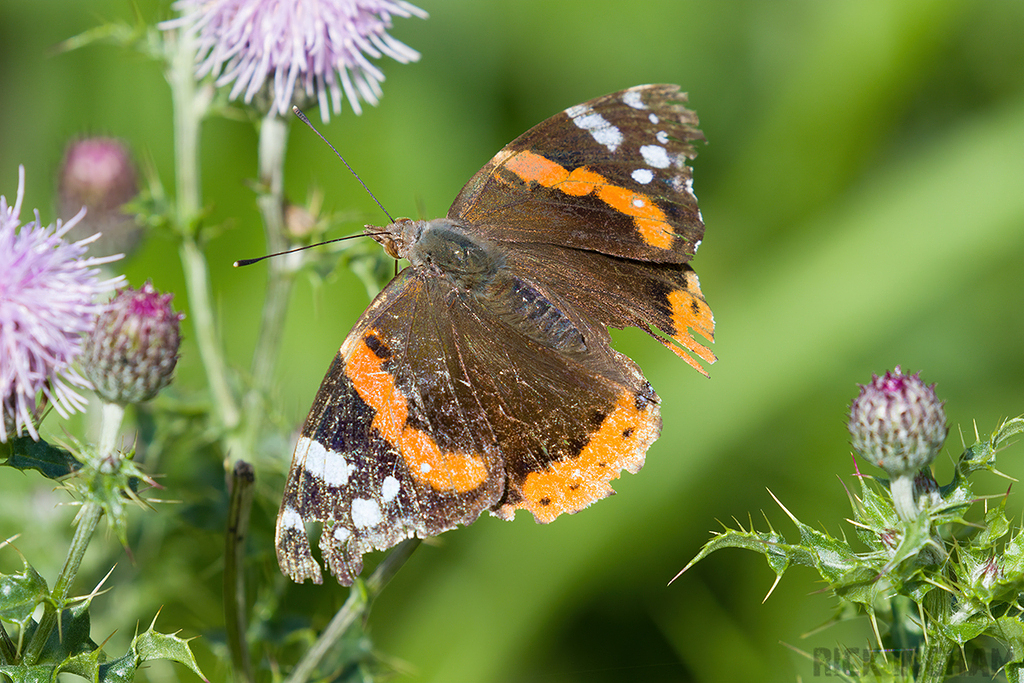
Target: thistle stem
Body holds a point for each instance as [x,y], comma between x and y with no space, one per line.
[902,489]
[190,106]
[937,648]
[273,142]
[242,480]
[360,596]
[87,520]
[113,415]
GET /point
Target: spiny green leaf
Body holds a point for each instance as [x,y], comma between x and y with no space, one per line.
[70,638]
[112,483]
[833,558]
[120,670]
[20,594]
[778,553]
[29,674]
[52,462]
[1012,559]
[84,664]
[154,645]
[982,455]
[1010,631]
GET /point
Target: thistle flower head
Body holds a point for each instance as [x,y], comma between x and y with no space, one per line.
[49,293]
[897,423]
[131,353]
[320,46]
[98,173]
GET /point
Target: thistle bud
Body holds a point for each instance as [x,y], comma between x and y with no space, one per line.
[98,173]
[898,423]
[131,353]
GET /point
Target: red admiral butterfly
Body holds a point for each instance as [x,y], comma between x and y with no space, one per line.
[482,377]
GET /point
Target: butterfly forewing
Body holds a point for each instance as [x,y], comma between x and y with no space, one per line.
[609,175]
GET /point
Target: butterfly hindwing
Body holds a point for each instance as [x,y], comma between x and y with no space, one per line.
[403,441]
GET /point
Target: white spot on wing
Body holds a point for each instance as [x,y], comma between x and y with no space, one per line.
[655,156]
[653,118]
[291,519]
[425,467]
[365,513]
[587,119]
[328,466]
[340,533]
[389,489]
[662,137]
[634,99]
[643,175]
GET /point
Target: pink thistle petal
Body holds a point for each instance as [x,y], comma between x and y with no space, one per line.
[319,47]
[49,293]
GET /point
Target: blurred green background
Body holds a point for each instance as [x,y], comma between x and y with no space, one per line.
[863,189]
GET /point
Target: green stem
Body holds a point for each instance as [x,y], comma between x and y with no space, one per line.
[113,415]
[361,595]
[902,488]
[936,649]
[197,282]
[190,106]
[88,519]
[273,143]
[242,479]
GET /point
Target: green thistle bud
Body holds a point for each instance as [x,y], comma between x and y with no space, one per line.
[898,423]
[131,353]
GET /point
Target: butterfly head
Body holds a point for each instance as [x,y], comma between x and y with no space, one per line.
[396,237]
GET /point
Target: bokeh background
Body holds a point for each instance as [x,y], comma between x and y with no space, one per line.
[863,189]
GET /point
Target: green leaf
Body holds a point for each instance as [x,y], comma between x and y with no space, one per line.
[84,664]
[121,670]
[20,594]
[154,645]
[778,553]
[52,462]
[71,637]
[29,674]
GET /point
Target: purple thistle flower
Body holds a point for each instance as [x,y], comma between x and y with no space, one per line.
[131,353]
[98,173]
[279,44]
[48,292]
[897,422]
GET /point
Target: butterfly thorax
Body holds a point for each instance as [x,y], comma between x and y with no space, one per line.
[442,247]
[475,267]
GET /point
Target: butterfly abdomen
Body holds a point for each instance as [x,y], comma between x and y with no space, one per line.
[527,310]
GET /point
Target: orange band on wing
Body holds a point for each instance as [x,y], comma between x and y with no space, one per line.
[691,311]
[649,219]
[620,443]
[426,461]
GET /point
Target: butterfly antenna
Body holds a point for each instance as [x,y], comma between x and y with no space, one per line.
[302,117]
[250,261]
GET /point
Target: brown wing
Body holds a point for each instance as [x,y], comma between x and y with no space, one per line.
[436,409]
